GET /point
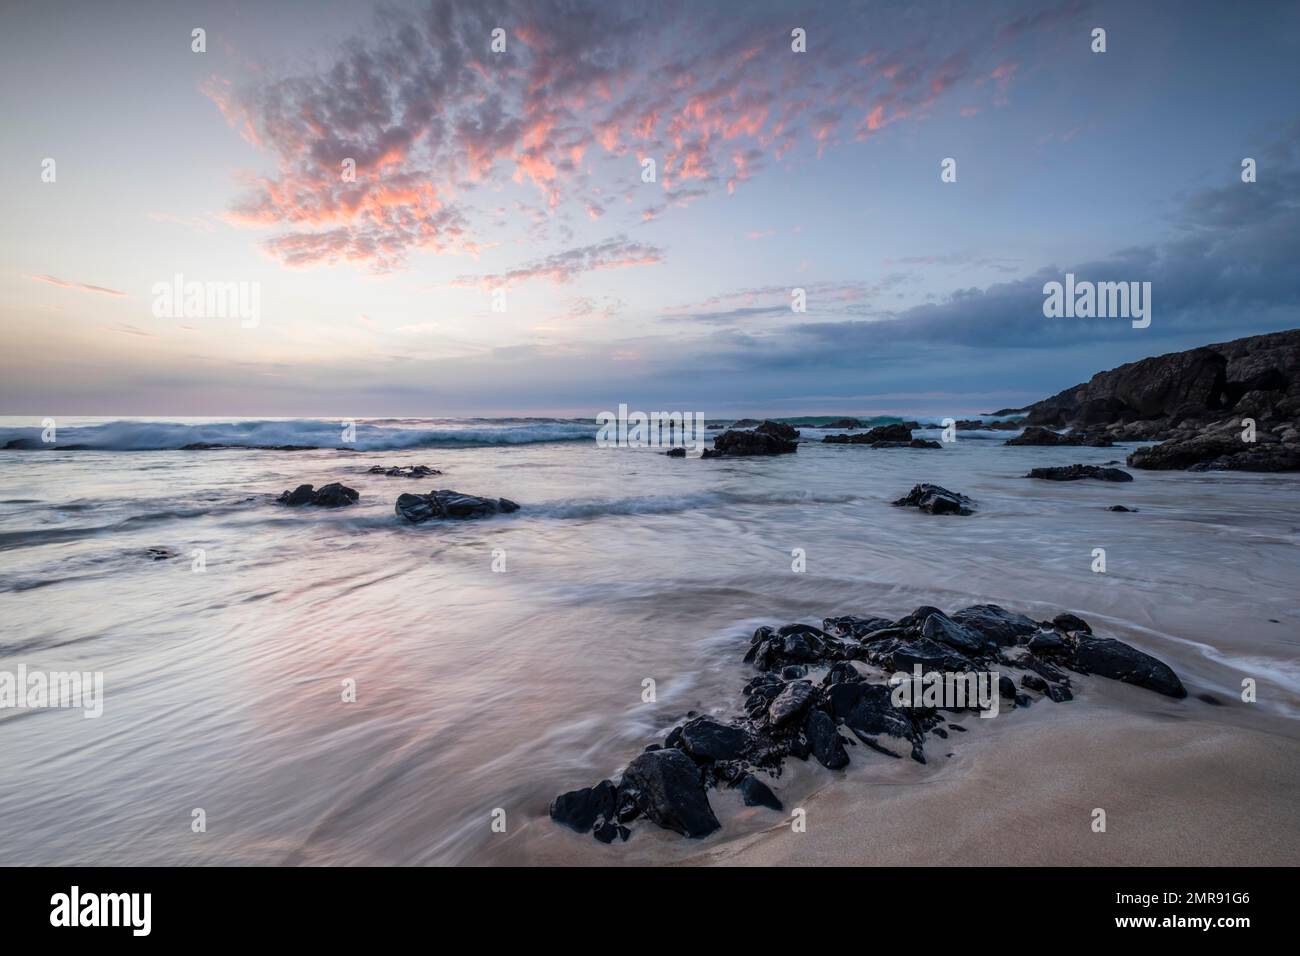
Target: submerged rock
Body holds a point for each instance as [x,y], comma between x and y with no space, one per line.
[333,495]
[1076,472]
[757,794]
[404,471]
[914,443]
[935,500]
[450,504]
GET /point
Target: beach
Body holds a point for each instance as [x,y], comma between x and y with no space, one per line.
[499,662]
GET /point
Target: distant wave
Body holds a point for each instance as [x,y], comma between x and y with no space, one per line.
[382,435]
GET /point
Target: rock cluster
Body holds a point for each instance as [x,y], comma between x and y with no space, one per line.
[814,681]
[450,504]
[333,495]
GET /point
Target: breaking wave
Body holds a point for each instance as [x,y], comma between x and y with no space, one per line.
[371,435]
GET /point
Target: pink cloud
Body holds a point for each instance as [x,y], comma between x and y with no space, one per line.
[79,286]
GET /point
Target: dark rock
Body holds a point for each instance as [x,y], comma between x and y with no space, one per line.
[942,628]
[758,794]
[1002,627]
[1120,508]
[1059,693]
[1006,687]
[710,739]
[1034,682]
[881,433]
[917,617]
[905,655]
[1047,642]
[1115,659]
[778,430]
[791,703]
[1036,435]
[608,832]
[975,424]
[936,500]
[843,423]
[299,496]
[676,453]
[827,745]
[1075,472]
[450,504]
[914,443]
[737,443]
[159,554]
[1218,451]
[671,793]
[333,495]
[580,809]
[1071,622]
[874,717]
[404,471]
[855,627]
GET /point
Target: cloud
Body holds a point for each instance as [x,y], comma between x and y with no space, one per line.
[429,115]
[80,286]
[852,297]
[616,253]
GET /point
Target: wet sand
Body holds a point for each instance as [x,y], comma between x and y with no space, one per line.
[1176,791]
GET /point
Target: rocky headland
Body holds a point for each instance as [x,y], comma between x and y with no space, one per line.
[1230,406]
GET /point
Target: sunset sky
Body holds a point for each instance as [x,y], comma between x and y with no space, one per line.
[522,170]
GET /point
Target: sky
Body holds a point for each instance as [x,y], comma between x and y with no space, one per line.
[500,252]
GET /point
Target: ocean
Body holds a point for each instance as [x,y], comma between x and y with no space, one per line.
[499,662]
